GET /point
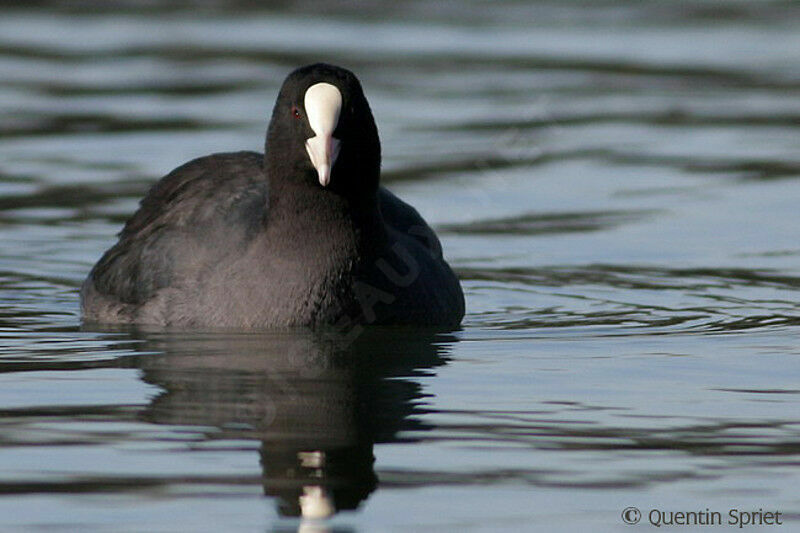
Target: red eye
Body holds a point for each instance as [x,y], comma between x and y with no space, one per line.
[296,112]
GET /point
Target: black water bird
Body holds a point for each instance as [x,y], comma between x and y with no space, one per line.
[302,235]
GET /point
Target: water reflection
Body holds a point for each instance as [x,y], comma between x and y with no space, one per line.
[318,402]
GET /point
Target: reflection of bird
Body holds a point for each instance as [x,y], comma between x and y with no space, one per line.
[303,235]
[316,401]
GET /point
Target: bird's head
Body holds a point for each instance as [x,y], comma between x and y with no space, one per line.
[322,131]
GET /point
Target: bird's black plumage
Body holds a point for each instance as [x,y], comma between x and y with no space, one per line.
[245,240]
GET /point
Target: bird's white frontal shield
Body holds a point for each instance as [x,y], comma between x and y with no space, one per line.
[323,103]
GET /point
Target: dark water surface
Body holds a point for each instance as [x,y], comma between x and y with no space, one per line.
[616,183]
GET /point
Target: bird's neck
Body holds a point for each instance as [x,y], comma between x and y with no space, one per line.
[309,212]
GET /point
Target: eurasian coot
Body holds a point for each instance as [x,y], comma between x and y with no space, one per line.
[302,235]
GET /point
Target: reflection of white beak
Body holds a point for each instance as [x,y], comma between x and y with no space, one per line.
[323,103]
[316,503]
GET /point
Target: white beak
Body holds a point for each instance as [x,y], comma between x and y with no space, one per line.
[323,103]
